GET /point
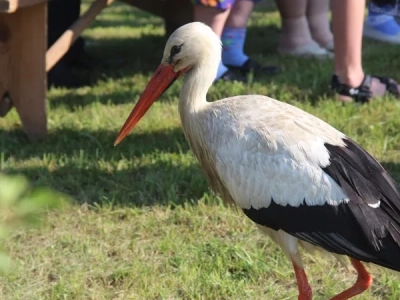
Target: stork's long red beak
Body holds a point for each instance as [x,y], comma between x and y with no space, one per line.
[158,84]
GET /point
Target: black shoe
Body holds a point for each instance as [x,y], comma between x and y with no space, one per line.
[231,76]
[253,66]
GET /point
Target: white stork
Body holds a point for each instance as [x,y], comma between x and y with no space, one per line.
[300,180]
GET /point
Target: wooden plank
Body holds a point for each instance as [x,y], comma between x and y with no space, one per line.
[22,66]
[10,6]
[61,46]
[5,64]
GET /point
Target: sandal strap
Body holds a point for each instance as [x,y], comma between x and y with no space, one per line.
[360,94]
[391,86]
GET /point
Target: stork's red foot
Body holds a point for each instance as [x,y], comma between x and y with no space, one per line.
[305,291]
[364,281]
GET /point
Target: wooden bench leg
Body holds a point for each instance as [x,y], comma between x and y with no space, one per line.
[22,66]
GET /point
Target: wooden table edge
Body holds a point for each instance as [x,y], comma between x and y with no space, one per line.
[11,6]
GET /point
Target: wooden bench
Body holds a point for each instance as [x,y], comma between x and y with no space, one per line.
[25,60]
[23,42]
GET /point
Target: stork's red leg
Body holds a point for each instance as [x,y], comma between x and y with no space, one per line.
[364,281]
[305,291]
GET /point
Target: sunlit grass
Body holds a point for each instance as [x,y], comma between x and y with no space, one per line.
[145,225]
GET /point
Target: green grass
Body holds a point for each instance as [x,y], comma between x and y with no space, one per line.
[145,225]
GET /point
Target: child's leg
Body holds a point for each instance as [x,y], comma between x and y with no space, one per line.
[234,37]
[215,17]
[347,21]
[318,20]
[295,31]
[234,34]
[295,38]
[212,16]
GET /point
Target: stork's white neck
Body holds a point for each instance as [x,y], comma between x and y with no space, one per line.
[193,101]
[197,83]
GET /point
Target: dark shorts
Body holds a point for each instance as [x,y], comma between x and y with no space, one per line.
[219,4]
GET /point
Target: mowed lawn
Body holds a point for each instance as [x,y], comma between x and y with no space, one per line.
[144,224]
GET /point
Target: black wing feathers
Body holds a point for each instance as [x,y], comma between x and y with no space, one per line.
[352,172]
[368,178]
[366,228]
[357,171]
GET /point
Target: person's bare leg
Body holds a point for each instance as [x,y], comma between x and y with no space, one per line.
[240,14]
[347,25]
[234,34]
[233,40]
[215,18]
[295,31]
[211,16]
[318,20]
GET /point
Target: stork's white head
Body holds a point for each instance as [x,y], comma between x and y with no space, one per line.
[191,47]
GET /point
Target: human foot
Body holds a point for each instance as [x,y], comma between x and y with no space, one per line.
[295,33]
[320,30]
[296,39]
[235,59]
[311,49]
[370,87]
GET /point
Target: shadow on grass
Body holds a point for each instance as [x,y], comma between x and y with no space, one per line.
[141,56]
[266,6]
[160,183]
[73,100]
[69,142]
[124,15]
[125,57]
[308,78]
[88,167]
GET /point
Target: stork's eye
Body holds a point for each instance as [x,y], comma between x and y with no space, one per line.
[175,50]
